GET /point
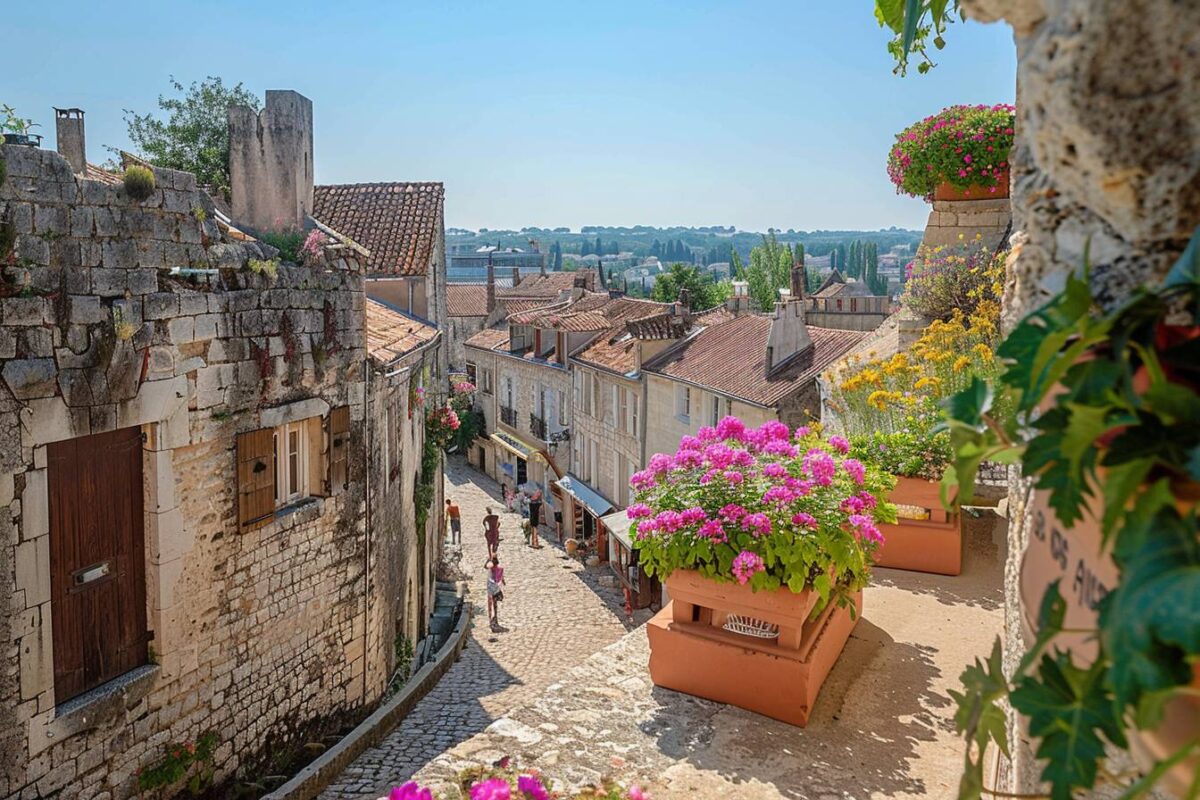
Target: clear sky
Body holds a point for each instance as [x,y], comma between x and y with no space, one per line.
[759,113]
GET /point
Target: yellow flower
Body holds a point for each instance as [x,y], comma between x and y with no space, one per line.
[982,352]
[879,399]
[930,381]
[961,363]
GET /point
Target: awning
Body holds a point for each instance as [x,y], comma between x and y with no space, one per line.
[517,447]
[618,524]
[584,494]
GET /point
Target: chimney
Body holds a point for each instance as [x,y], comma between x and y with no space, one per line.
[683,302]
[797,283]
[491,288]
[614,293]
[739,302]
[71,143]
[789,334]
[271,162]
[516,276]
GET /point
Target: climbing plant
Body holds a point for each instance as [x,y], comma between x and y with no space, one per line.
[1107,406]
[916,25]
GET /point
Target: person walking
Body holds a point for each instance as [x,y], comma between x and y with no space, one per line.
[455,517]
[491,532]
[535,518]
[495,590]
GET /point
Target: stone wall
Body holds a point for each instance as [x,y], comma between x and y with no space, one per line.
[600,429]
[271,162]
[954,221]
[258,635]
[458,330]
[1107,156]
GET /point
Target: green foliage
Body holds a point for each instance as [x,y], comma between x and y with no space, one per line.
[702,290]
[270,267]
[8,239]
[917,451]
[946,280]
[180,760]
[770,270]
[964,146]
[1107,406]
[195,135]
[913,22]
[403,648]
[139,182]
[288,243]
[11,123]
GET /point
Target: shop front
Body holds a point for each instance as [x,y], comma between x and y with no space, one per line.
[581,517]
[645,591]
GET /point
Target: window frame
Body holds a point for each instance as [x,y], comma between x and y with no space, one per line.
[286,493]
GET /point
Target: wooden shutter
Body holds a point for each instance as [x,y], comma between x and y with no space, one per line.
[339,449]
[256,478]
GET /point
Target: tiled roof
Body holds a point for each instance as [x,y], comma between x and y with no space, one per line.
[714,316]
[851,289]
[616,351]
[398,222]
[659,326]
[392,333]
[592,312]
[550,284]
[94,173]
[488,339]
[466,299]
[731,358]
[517,306]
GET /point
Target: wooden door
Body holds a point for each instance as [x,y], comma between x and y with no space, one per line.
[97,559]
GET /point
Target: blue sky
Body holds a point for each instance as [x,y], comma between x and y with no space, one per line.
[755,114]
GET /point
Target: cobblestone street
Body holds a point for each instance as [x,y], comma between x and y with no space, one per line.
[554,616]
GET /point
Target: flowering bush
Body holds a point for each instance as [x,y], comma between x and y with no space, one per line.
[917,451]
[505,781]
[440,425]
[763,507]
[964,277]
[312,244]
[964,146]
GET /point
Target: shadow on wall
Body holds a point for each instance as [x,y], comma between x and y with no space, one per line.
[981,584]
[854,746]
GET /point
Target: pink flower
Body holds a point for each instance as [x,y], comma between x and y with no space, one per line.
[732,512]
[759,524]
[733,476]
[660,463]
[638,510]
[868,499]
[745,566]
[636,793]
[804,520]
[855,469]
[531,786]
[839,443]
[852,505]
[820,466]
[731,428]
[866,528]
[642,480]
[774,470]
[491,789]
[410,791]
[714,530]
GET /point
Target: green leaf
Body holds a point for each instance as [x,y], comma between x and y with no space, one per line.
[913,10]
[1120,484]
[1161,768]
[1068,710]
[979,717]
[1186,272]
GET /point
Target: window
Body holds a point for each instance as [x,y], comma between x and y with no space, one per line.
[634,401]
[620,484]
[597,402]
[623,410]
[577,386]
[485,380]
[717,405]
[291,463]
[612,414]
[472,373]
[561,416]
[393,432]
[683,402]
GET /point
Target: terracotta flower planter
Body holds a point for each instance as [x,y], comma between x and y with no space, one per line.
[945,191]
[926,538]
[693,650]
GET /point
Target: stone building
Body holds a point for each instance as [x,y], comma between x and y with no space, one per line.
[196,540]
[467,308]
[953,221]
[846,305]
[754,367]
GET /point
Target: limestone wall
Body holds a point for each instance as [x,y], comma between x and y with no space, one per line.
[1107,153]
[600,429]
[259,635]
[954,221]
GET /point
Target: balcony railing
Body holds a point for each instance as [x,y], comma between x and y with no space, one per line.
[508,416]
[538,427]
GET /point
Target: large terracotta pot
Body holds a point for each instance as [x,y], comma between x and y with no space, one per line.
[695,647]
[945,191]
[1075,557]
[925,538]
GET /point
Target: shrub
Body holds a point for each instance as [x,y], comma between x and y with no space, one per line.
[916,451]
[964,146]
[942,280]
[761,507]
[270,268]
[288,243]
[139,182]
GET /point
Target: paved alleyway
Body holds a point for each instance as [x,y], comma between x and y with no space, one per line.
[555,615]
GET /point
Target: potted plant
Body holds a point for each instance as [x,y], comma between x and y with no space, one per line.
[1105,426]
[764,540]
[890,409]
[16,129]
[960,153]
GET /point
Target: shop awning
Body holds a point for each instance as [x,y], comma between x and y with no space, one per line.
[584,494]
[517,447]
[618,524]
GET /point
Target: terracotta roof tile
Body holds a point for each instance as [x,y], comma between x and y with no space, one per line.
[392,333]
[659,326]
[400,223]
[592,312]
[466,299]
[731,358]
[616,351]
[488,339]
[714,316]
[549,285]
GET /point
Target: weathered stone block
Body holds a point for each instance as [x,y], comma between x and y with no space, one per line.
[86,310]
[160,305]
[207,326]
[109,282]
[20,216]
[33,570]
[143,281]
[192,303]
[106,221]
[23,311]
[33,249]
[36,662]
[120,254]
[76,388]
[82,221]
[35,505]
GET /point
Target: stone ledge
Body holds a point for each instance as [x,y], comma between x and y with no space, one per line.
[313,779]
[94,708]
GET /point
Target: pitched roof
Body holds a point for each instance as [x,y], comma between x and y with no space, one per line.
[595,311]
[616,350]
[834,277]
[714,316]
[731,358]
[398,222]
[550,284]
[664,325]
[488,339]
[466,299]
[392,333]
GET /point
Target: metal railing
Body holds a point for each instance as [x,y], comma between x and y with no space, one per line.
[538,426]
[508,416]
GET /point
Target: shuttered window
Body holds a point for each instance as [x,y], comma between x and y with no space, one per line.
[256,478]
[339,449]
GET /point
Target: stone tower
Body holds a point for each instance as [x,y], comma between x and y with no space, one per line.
[271,162]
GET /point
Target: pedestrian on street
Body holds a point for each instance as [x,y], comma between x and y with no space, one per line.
[495,590]
[535,518]
[455,516]
[491,532]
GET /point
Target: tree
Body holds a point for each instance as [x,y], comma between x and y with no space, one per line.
[800,253]
[769,271]
[600,275]
[879,286]
[195,135]
[599,247]
[736,269]
[833,262]
[586,248]
[656,249]
[703,292]
[558,264]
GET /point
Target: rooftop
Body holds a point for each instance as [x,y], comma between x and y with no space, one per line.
[399,223]
[835,285]
[731,358]
[549,285]
[466,299]
[488,339]
[392,334]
